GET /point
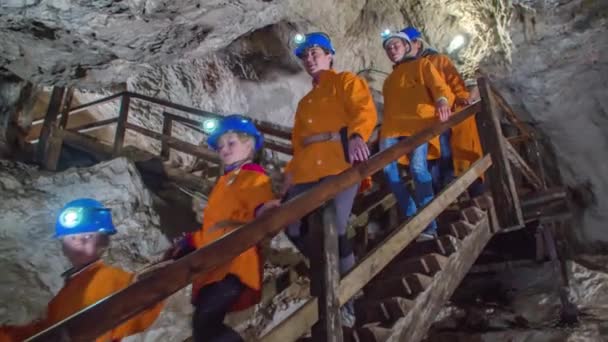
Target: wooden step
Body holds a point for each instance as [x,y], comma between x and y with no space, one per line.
[428,265]
[444,245]
[407,286]
[371,333]
[382,311]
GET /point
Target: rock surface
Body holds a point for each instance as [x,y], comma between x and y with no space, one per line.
[522,304]
[558,78]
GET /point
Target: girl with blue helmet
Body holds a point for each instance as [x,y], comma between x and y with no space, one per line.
[84,227]
[242,193]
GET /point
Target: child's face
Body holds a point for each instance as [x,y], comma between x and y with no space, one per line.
[232,148]
[81,249]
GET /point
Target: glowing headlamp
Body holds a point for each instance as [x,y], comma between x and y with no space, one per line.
[71,217]
[299,38]
[210,125]
[385,33]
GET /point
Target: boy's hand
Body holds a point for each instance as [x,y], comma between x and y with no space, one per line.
[287,183]
[268,205]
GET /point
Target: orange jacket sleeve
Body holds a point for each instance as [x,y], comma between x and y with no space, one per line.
[453,78]
[359,106]
[13,333]
[296,141]
[435,83]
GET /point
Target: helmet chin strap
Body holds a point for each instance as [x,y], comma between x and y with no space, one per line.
[237,164]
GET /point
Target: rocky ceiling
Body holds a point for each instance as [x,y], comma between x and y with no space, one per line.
[98,43]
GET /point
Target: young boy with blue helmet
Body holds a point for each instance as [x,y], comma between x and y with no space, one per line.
[84,227]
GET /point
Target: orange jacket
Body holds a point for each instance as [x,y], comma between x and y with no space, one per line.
[339,100]
[82,289]
[466,147]
[233,202]
[410,94]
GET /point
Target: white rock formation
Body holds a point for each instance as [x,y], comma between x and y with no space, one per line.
[32,261]
[558,77]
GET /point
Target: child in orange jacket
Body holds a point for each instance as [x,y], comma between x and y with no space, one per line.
[84,227]
[242,193]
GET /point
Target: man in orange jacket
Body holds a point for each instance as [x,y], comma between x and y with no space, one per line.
[84,227]
[460,146]
[415,97]
[331,126]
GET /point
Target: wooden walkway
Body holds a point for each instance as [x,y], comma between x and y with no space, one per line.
[403,283]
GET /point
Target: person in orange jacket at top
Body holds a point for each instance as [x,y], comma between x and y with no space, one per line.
[460,145]
[332,123]
[415,97]
[84,227]
[242,193]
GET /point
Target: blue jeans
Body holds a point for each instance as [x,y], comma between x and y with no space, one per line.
[423,181]
[443,168]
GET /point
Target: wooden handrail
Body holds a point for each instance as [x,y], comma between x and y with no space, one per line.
[93,125]
[193,124]
[264,127]
[195,150]
[108,313]
[96,102]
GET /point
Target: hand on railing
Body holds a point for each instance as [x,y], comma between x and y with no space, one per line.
[357,149]
[442,109]
[287,183]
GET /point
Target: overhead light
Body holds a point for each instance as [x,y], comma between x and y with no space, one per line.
[456,43]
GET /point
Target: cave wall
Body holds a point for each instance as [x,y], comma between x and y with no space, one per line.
[559,79]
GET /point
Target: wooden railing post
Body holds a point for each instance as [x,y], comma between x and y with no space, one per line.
[325,275]
[65,112]
[48,128]
[165,150]
[121,126]
[500,176]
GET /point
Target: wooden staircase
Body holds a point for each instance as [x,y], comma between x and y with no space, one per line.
[404,283]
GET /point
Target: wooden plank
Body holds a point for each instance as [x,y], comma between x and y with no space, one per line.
[371,333]
[461,229]
[520,164]
[92,104]
[325,276]
[502,184]
[296,324]
[444,245]
[264,127]
[93,125]
[413,326]
[195,150]
[67,103]
[53,152]
[164,281]
[121,126]
[368,311]
[165,150]
[524,128]
[194,124]
[88,144]
[50,121]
